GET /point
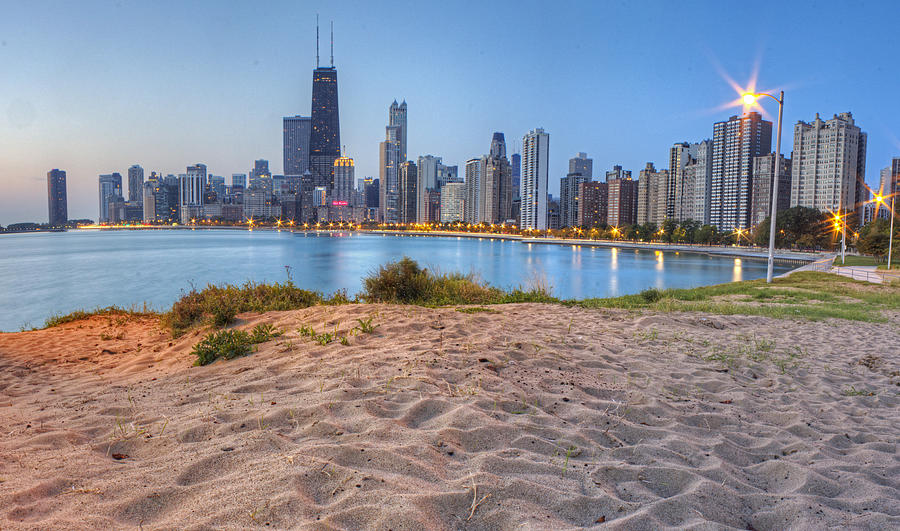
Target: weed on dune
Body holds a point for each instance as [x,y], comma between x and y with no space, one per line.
[230,344]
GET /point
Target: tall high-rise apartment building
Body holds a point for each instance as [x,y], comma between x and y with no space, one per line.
[622,198]
[890,178]
[569,198]
[734,144]
[110,188]
[583,165]
[397,117]
[453,201]
[389,175]
[57,201]
[593,204]
[474,177]
[828,170]
[135,184]
[535,176]
[581,170]
[652,194]
[763,176]
[342,194]
[617,173]
[408,182]
[239,180]
[296,130]
[692,192]
[680,155]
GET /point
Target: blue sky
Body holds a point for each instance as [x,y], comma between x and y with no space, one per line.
[93,87]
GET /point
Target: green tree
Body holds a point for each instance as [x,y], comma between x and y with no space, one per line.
[874,238]
[669,226]
[707,234]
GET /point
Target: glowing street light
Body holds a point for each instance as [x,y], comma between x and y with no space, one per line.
[749,99]
[840,225]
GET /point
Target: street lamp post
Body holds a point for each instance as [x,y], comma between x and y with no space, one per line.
[749,99]
[880,199]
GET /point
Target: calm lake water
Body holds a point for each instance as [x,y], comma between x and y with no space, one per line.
[47,273]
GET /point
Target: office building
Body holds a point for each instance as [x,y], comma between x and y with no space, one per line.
[828,170]
[427,167]
[447,174]
[397,118]
[325,125]
[763,176]
[296,130]
[495,186]
[735,143]
[534,179]
[408,183]
[110,188]
[135,184]
[389,175]
[342,194]
[57,201]
[191,193]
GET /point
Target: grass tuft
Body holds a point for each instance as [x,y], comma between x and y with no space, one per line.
[230,344]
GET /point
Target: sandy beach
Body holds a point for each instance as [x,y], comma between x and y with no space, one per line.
[524,416]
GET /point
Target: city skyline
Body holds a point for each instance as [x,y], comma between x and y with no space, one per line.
[108,128]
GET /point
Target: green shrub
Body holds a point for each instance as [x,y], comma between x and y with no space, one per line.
[405,282]
[402,281]
[652,294]
[228,344]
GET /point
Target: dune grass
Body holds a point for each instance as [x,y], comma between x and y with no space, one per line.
[405,282]
[806,295]
[218,305]
[79,315]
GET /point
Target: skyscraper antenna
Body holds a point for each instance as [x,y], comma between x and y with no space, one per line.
[332,43]
[317,40]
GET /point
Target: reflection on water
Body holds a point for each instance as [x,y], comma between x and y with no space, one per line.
[737,274]
[42,274]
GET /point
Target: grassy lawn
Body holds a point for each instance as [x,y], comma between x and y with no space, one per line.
[854,260]
[805,295]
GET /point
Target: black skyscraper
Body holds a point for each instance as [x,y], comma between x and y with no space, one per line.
[56,198]
[325,130]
